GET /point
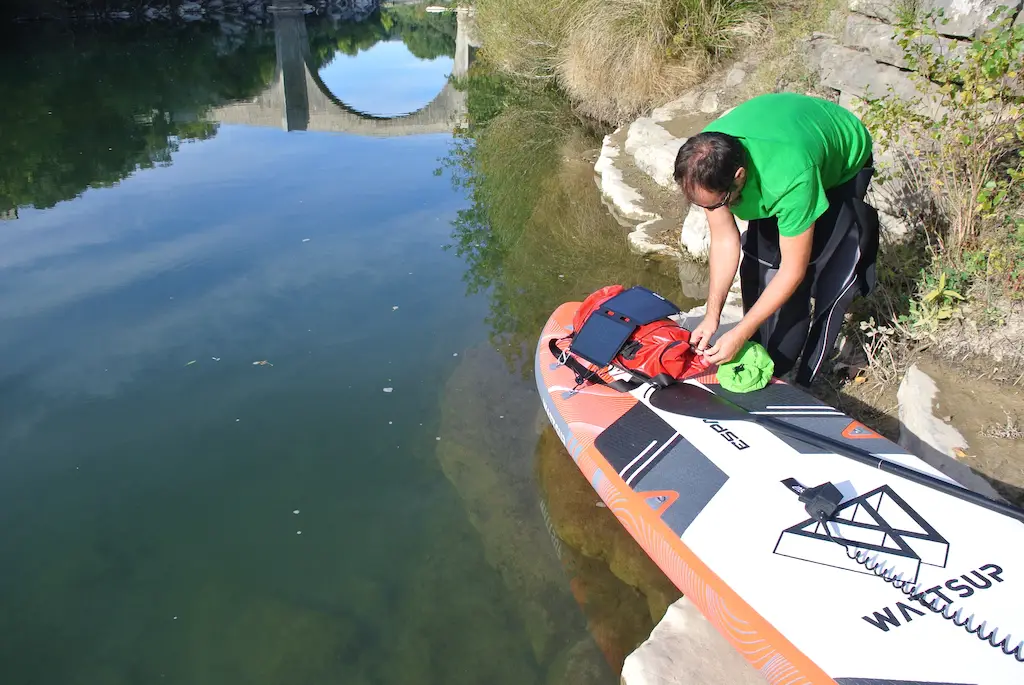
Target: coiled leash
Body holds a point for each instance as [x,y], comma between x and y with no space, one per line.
[823,501]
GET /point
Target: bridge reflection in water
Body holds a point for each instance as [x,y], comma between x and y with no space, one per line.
[298,100]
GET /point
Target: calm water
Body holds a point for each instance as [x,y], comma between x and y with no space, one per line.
[253,424]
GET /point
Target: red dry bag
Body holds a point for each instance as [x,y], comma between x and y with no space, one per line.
[630,330]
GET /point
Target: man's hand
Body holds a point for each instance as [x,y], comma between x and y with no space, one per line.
[701,335]
[726,347]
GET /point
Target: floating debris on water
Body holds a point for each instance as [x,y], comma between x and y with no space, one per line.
[456,354]
[388,389]
[298,532]
[305,240]
[437,438]
[394,308]
[216,359]
[295,511]
[191,363]
[262,362]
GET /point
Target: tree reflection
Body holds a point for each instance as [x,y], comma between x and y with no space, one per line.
[536,233]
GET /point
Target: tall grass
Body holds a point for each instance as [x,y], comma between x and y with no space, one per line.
[615,58]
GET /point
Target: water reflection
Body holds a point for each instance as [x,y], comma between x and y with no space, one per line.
[154,481]
[401,83]
[151,471]
[536,233]
[89,107]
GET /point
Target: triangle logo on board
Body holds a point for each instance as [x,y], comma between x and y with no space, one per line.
[879,522]
[857,430]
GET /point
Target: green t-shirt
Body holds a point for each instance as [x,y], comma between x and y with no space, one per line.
[798,147]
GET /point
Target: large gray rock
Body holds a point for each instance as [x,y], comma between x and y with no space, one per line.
[695,237]
[684,649]
[967,18]
[814,47]
[886,10]
[879,39]
[857,73]
[931,439]
[653,149]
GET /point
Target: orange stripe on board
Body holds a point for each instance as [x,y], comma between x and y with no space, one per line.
[755,638]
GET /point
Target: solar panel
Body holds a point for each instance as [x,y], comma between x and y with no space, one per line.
[600,339]
[640,305]
[608,328]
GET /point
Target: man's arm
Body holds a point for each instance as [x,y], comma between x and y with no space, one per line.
[723,258]
[796,255]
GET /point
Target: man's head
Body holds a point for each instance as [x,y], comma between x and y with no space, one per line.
[711,169]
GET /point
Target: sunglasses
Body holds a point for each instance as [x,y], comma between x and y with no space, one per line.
[724,201]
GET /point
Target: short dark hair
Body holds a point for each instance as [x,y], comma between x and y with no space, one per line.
[709,160]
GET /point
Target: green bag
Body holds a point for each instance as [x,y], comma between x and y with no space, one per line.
[749,370]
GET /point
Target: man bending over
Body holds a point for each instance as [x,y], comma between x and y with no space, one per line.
[797,168]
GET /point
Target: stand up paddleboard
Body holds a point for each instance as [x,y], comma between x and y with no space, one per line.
[874,578]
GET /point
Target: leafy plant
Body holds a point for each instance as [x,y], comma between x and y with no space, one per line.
[965,132]
[935,306]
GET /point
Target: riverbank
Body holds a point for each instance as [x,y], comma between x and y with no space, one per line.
[918,316]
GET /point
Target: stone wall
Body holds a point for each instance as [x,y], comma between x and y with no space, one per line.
[866,61]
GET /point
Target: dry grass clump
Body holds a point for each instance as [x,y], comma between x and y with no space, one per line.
[615,58]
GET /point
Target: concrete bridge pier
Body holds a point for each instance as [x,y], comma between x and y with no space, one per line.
[291,42]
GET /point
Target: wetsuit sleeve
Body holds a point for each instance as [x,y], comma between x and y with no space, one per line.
[801,204]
